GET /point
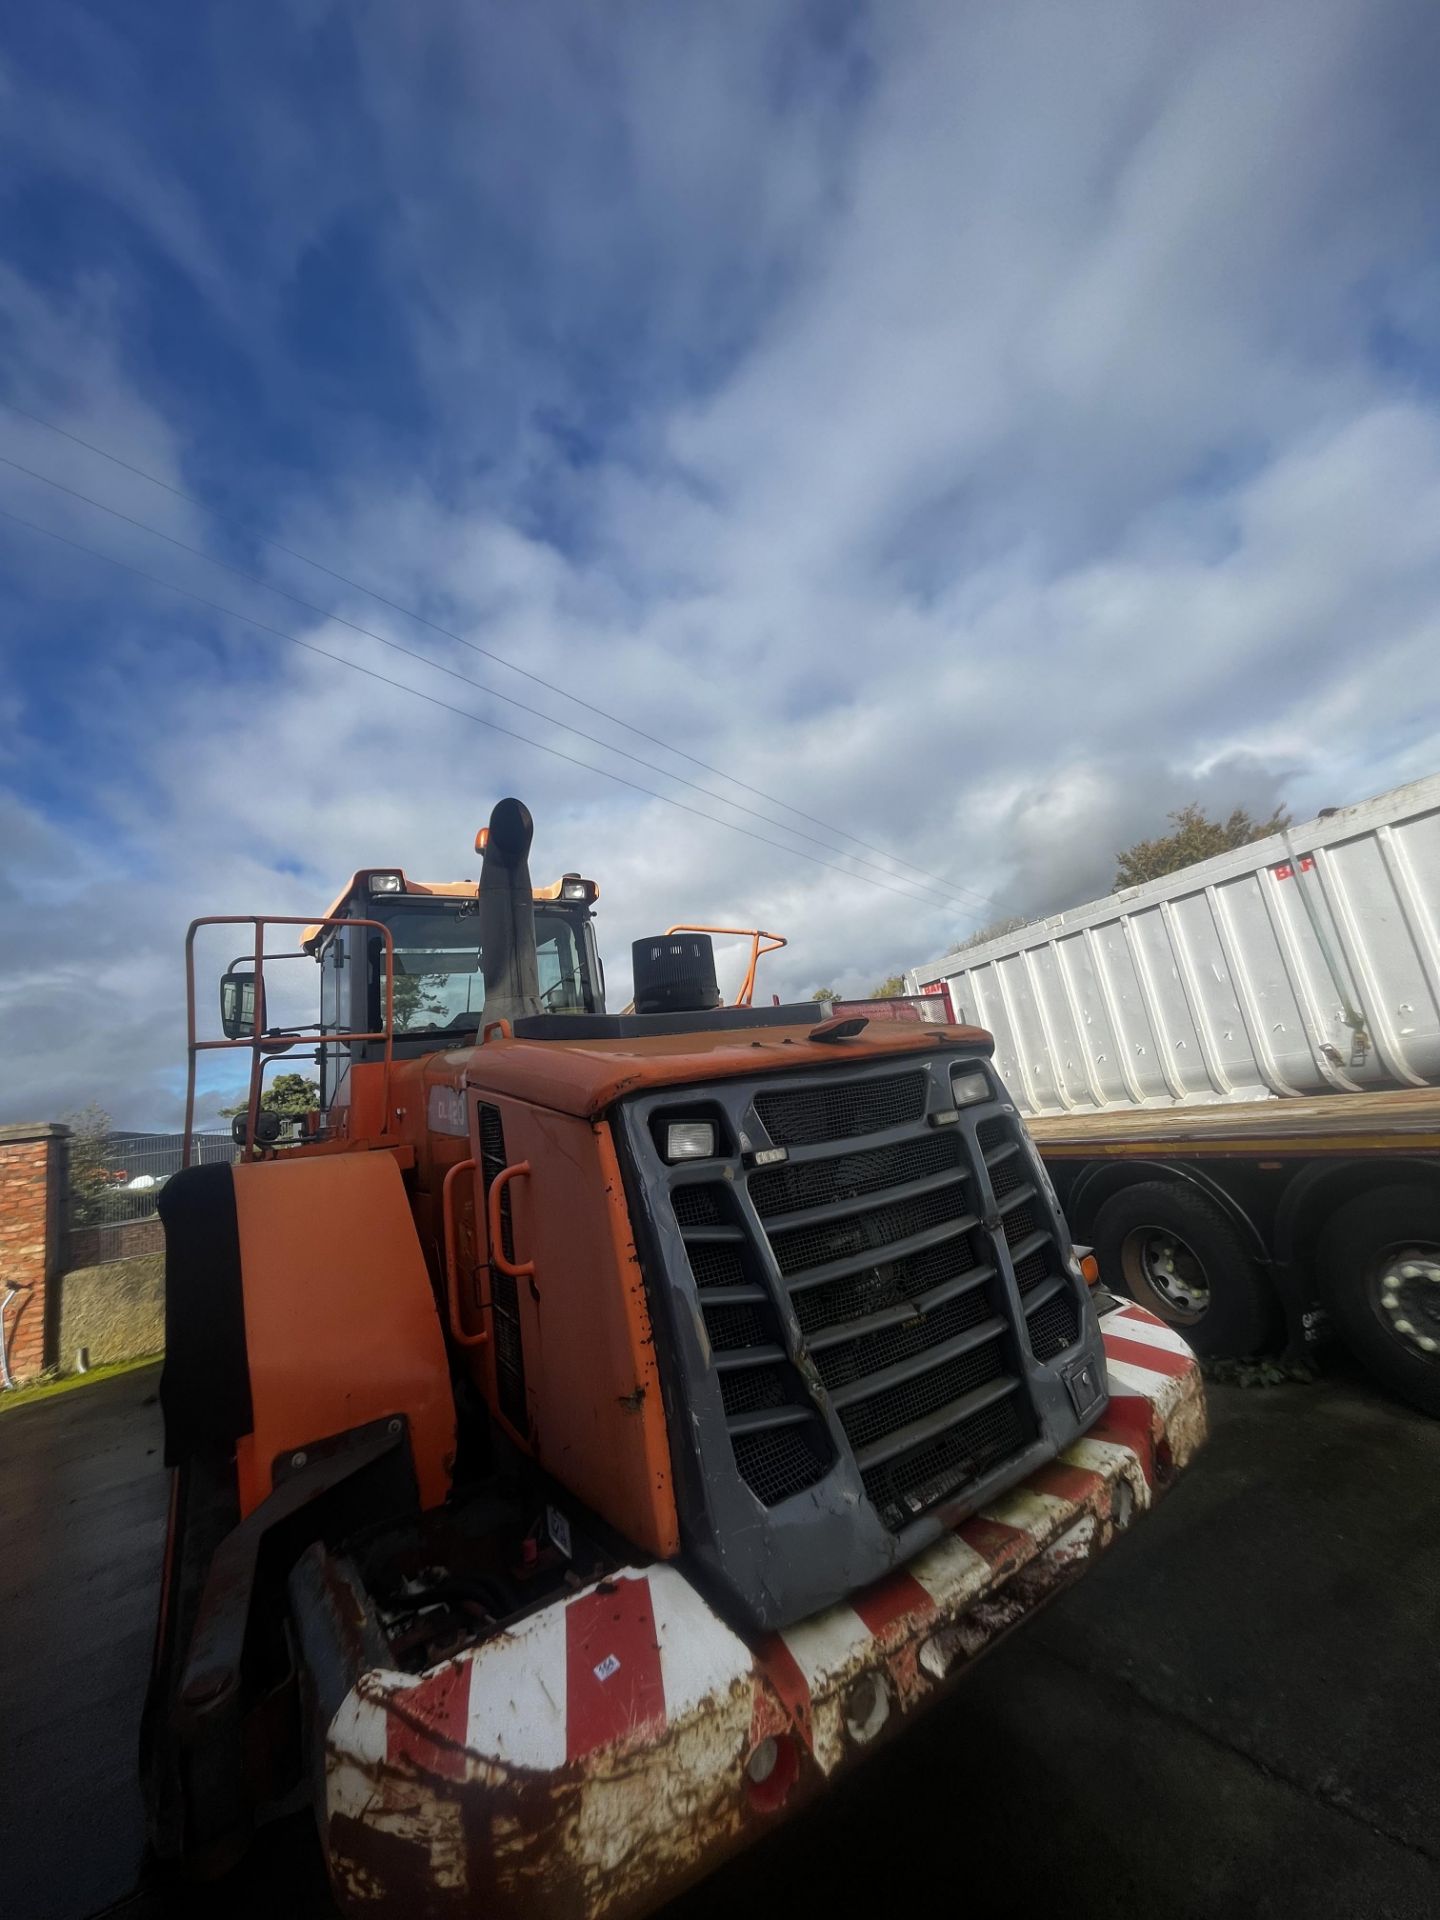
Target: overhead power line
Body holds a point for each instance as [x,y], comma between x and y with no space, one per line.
[950,887]
[401,686]
[428,660]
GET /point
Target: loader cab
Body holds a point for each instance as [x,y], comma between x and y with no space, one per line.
[438,993]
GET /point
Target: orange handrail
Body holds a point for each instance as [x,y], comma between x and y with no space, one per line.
[495,1222]
[754,935]
[452,1261]
[258,1044]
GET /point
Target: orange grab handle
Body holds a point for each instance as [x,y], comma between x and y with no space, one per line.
[452,1260]
[522,1269]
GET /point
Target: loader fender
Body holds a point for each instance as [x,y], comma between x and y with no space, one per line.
[341,1326]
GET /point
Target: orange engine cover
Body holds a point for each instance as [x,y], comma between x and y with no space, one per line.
[570,1364]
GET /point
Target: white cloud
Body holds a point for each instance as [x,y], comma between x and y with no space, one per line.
[1003,459]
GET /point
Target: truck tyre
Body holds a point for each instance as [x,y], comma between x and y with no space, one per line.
[1378,1271]
[1173,1251]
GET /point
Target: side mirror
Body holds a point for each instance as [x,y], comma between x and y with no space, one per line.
[239,1009]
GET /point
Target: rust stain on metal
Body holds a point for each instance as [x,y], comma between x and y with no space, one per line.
[423,1825]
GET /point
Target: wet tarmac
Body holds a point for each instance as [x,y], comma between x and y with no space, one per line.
[1237,1712]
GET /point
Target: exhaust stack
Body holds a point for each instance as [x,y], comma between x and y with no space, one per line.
[507,915]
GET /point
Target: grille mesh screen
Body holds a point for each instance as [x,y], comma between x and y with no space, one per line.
[1054,1326]
[802,1116]
[779,1462]
[696,1206]
[962,1453]
[716,1265]
[751,1389]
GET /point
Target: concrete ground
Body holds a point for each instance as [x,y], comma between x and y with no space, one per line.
[1238,1712]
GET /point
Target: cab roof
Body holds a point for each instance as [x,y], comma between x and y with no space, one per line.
[445,889]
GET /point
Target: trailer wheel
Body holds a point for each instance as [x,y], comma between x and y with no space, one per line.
[1379,1275]
[1173,1251]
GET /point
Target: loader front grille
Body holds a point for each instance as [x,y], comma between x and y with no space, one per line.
[873,1321]
[898,1287]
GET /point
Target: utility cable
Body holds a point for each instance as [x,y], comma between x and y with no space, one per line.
[428,660]
[410,613]
[339,659]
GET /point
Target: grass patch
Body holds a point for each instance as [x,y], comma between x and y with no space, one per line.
[46,1389]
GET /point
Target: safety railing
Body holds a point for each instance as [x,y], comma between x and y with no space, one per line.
[274,1044]
[754,935]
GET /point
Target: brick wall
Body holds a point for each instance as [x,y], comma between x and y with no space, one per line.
[121,1240]
[32,1190]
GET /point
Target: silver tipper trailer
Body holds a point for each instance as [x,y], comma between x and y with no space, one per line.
[1233,1077]
[1307,963]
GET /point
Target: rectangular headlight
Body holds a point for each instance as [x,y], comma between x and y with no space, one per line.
[968,1087]
[690,1140]
[386,883]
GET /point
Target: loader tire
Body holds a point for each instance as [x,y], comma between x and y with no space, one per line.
[1378,1271]
[1175,1252]
[204,1507]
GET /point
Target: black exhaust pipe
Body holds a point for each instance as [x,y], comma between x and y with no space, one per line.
[507,916]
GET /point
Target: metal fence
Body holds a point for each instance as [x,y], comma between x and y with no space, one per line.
[112,1212]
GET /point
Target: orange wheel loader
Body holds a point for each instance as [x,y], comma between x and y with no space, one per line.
[596,1433]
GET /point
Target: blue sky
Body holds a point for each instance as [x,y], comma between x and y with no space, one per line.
[980,428]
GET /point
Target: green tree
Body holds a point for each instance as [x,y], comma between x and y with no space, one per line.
[287,1093]
[89,1165]
[1196,837]
[827,996]
[1008,923]
[416,1000]
[888,989]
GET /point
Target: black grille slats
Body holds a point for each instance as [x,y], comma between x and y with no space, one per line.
[874,1230]
[778,1438]
[1052,1312]
[885,1242]
[891,1278]
[905,1486]
[900,1406]
[852,1360]
[891,1283]
[823,1183]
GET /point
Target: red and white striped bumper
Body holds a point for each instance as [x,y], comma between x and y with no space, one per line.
[602,1753]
